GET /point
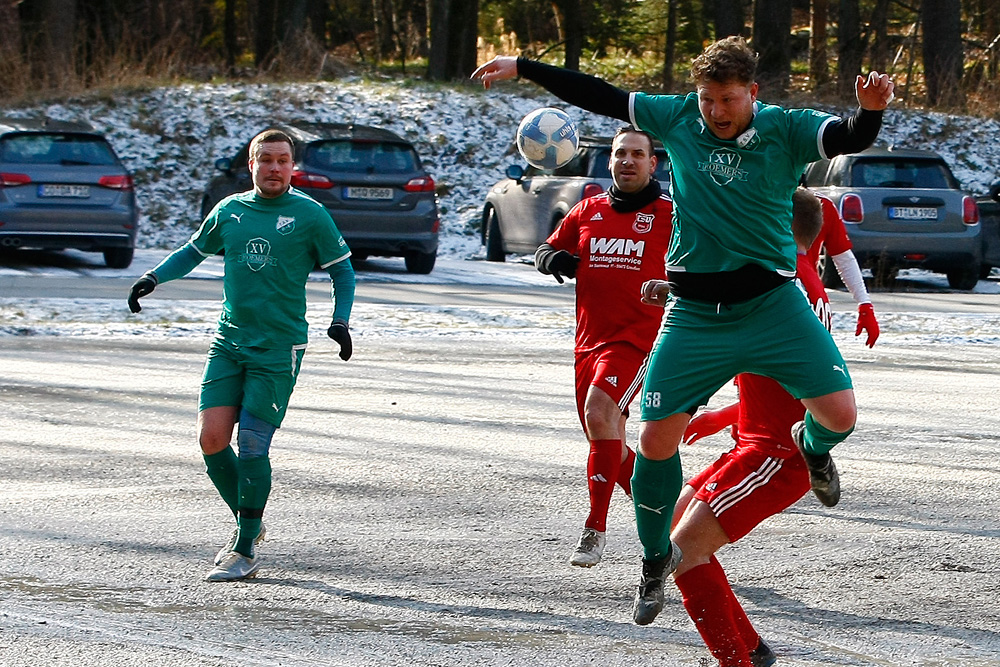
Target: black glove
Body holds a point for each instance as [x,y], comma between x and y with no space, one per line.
[340,333]
[141,288]
[558,263]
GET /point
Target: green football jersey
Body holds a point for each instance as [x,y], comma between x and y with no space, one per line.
[732,198]
[270,246]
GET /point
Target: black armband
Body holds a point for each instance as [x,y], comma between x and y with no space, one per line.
[576,88]
[853,134]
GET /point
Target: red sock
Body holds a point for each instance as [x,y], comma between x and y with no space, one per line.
[749,633]
[704,592]
[603,465]
[625,472]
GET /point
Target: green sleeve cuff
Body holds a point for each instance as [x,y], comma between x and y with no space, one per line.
[342,275]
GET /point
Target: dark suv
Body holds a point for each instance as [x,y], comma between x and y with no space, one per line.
[902,208]
[371,180]
[989,214]
[522,210]
[62,186]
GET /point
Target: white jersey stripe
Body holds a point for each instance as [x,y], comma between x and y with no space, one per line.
[634,386]
[756,479]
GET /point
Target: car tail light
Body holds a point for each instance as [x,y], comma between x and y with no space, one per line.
[8,180]
[970,212]
[915,257]
[116,182]
[851,209]
[436,226]
[591,189]
[422,184]
[304,179]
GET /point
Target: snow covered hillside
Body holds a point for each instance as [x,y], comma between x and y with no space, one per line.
[171,137]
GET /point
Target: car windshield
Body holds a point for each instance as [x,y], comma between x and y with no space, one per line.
[371,157]
[55,148]
[895,173]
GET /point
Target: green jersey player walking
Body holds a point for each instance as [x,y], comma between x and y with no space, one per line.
[735,163]
[271,238]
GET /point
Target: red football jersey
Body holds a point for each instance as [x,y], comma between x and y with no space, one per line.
[767,411]
[833,233]
[618,252]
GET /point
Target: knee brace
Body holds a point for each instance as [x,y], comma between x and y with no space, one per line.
[254,436]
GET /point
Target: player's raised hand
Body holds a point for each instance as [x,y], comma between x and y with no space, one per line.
[710,422]
[498,69]
[654,292]
[143,286]
[875,91]
[339,332]
[867,323]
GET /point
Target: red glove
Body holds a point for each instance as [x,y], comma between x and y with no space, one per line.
[710,422]
[867,323]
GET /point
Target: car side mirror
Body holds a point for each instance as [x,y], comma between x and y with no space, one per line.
[224,164]
[515,172]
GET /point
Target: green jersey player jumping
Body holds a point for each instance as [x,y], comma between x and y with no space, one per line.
[271,238]
[735,163]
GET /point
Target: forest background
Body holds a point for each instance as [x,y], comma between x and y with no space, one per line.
[942,54]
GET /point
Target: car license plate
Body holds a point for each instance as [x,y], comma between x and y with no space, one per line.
[60,190]
[912,213]
[368,193]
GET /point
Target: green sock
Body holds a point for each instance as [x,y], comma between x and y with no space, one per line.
[818,439]
[222,470]
[255,485]
[655,488]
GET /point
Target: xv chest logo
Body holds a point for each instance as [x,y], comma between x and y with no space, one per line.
[258,254]
[286,224]
[723,165]
[643,223]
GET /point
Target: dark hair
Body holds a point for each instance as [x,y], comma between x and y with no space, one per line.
[807,216]
[728,59]
[269,137]
[626,129]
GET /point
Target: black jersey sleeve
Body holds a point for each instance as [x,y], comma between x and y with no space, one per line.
[581,90]
[853,134]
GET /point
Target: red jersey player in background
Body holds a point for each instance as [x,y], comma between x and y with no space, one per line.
[611,243]
[834,237]
[763,474]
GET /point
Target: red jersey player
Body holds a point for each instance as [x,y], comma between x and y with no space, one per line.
[611,243]
[833,236]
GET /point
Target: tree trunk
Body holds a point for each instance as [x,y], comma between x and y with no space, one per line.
[265,22]
[850,48]
[229,36]
[382,15]
[729,18]
[818,72]
[881,48]
[772,28]
[942,52]
[670,47]
[573,26]
[464,29]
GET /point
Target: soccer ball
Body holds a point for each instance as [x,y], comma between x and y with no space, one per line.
[547,138]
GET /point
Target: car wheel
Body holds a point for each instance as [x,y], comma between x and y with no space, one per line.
[420,262]
[984,271]
[494,241]
[118,258]
[828,270]
[964,278]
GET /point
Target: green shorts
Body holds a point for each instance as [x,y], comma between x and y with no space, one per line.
[704,345]
[256,379]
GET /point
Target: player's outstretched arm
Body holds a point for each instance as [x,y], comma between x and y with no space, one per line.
[709,422]
[874,91]
[556,263]
[176,265]
[498,69]
[342,291]
[850,274]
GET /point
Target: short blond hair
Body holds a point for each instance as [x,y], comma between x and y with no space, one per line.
[271,136]
[728,59]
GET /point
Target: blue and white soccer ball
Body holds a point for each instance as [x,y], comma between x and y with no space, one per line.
[547,138]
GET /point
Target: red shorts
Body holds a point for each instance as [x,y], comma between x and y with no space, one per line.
[617,369]
[745,486]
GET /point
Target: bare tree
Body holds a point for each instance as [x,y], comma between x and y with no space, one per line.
[729,17]
[573,29]
[943,54]
[772,28]
[818,72]
[670,46]
[850,47]
[453,31]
